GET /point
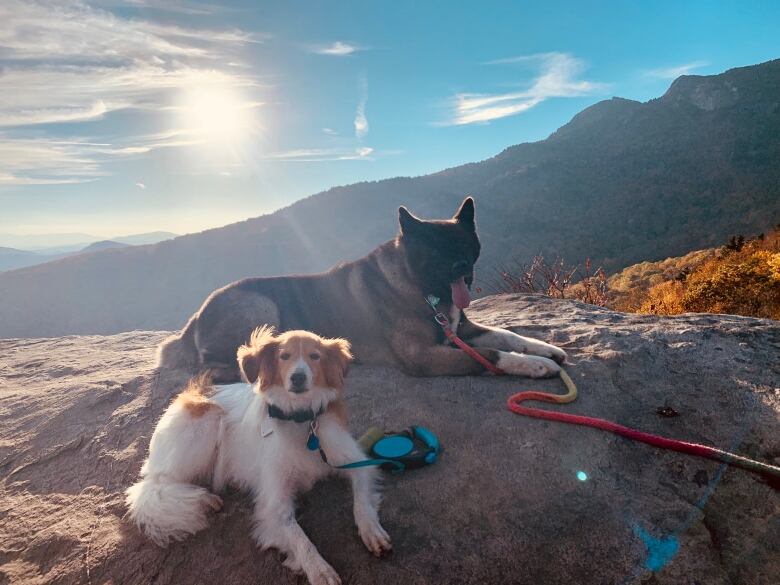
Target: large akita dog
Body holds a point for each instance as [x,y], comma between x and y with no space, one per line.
[377,302]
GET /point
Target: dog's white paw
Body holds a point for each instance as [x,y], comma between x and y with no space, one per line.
[212,502]
[375,538]
[556,354]
[532,366]
[542,349]
[292,563]
[542,367]
[321,573]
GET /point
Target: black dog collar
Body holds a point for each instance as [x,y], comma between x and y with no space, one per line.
[299,416]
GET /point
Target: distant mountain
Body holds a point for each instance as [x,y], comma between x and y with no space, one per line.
[11,258]
[622,182]
[104,245]
[43,241]
[61,243]
[147,238]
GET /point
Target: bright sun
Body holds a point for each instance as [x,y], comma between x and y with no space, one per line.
[217,115]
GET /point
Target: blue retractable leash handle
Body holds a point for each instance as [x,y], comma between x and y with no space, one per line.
[411,448]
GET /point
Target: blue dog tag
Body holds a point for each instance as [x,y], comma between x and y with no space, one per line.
[313,442]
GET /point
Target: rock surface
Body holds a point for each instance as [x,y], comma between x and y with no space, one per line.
[503,505]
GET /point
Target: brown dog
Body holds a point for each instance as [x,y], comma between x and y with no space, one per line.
[377,302]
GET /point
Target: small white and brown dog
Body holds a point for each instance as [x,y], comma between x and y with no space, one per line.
[255,436]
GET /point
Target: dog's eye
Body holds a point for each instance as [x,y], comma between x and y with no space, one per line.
[314,356]
[285,356]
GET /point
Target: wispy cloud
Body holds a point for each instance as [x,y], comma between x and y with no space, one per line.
[337,49]
[174,6]
[361,122]
[46,95]
[141,186]
[74,31]
[676,71]
[66,62]
[559,76]
[324,154]
[48,161]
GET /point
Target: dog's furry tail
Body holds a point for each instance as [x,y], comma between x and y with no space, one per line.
[178,350]
[167,511]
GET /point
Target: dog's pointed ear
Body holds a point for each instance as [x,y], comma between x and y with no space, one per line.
[409,223]
[336,365]
[465,214]
[257,359]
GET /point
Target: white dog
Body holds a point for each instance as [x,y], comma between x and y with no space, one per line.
[255,437]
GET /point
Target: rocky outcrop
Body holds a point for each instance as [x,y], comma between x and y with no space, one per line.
[505,504]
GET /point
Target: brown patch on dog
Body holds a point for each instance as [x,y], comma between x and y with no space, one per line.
[258,359]
[195,398]
[335,364]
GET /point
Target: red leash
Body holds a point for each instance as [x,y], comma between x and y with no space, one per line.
[513,403]
[442,320]
[772,472]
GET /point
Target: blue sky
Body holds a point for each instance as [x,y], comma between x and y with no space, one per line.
[121,117]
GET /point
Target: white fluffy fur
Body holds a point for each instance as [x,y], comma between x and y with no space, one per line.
[236,442]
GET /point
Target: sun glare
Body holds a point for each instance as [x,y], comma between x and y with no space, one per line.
[217,115]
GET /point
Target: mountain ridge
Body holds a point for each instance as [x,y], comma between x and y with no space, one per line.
[17,258]
[622,182]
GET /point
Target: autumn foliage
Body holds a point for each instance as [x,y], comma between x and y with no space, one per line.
[741,278]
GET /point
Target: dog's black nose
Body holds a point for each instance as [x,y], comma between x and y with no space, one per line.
[298,379]
[460,265]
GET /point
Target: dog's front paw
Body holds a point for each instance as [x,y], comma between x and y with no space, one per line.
[542,367]
[212,502]
[375,538]
[556,354]
[542,349]
[532,366]
[292,563]
[321,573]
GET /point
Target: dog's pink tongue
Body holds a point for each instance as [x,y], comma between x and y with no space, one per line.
[460,293]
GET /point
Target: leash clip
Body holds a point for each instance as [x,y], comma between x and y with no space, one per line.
[441,319]
[438,316]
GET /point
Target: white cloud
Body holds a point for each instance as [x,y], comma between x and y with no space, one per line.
[324,154]
[175,6]
[141,186]
[45,161]
[361,122]
[337,49]
[64,62]
[73,30]
[558,77]
[45,94]
[675,72]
